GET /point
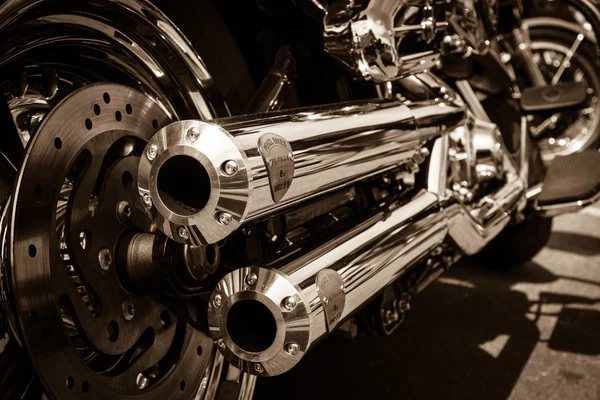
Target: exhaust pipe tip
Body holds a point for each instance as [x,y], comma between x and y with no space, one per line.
[259,320]
[194,178]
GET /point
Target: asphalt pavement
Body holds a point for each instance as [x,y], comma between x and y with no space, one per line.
[530,333]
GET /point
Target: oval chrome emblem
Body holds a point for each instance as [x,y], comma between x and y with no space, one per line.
[278,158]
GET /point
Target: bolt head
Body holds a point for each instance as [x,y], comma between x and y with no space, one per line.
[259,368]
[105,259]
[221,343]
[123,211]
[292,348]
[193,134]
[224,218]
[403,306]
[183,233]
[152,151]
[251,279]
[147,200]
[231,167]
[128,310]
[218,300]
[326,300]
[391,317]
[289,303]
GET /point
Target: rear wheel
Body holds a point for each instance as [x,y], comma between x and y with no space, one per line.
[51,51]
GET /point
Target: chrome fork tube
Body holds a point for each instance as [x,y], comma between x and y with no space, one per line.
[307,298]
[522,43]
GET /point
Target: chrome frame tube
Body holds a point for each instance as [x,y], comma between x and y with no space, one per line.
[522,48]
[276,86]
[554,210]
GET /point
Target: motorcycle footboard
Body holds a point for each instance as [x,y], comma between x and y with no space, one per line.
[571,183]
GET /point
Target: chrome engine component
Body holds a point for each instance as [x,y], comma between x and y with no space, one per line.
[264,320]
[484,189]
[206,179]
[364,38]
[367,37]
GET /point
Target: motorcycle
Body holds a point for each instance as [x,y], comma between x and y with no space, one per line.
[171,232]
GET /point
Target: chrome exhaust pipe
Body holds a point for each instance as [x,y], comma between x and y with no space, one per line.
[203,180]
[265,319]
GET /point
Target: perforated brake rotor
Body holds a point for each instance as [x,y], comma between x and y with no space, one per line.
[87,333]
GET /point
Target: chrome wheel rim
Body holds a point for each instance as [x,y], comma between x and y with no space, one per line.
[50,48]
[578,131]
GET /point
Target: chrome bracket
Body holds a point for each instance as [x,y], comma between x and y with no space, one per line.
[428,23]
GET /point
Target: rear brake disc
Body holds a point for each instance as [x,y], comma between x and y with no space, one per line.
[88,334]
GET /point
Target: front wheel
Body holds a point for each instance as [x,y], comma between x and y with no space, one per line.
[566,131]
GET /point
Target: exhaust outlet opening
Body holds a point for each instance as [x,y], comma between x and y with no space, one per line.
[251,326]
[183,185]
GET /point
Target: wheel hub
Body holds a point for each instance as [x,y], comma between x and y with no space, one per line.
[76,197]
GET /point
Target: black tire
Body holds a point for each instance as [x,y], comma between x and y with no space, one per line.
[18,379]
[518,243]
[201,24]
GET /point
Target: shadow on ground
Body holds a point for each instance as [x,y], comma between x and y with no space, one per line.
[574,243]
[439,350]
